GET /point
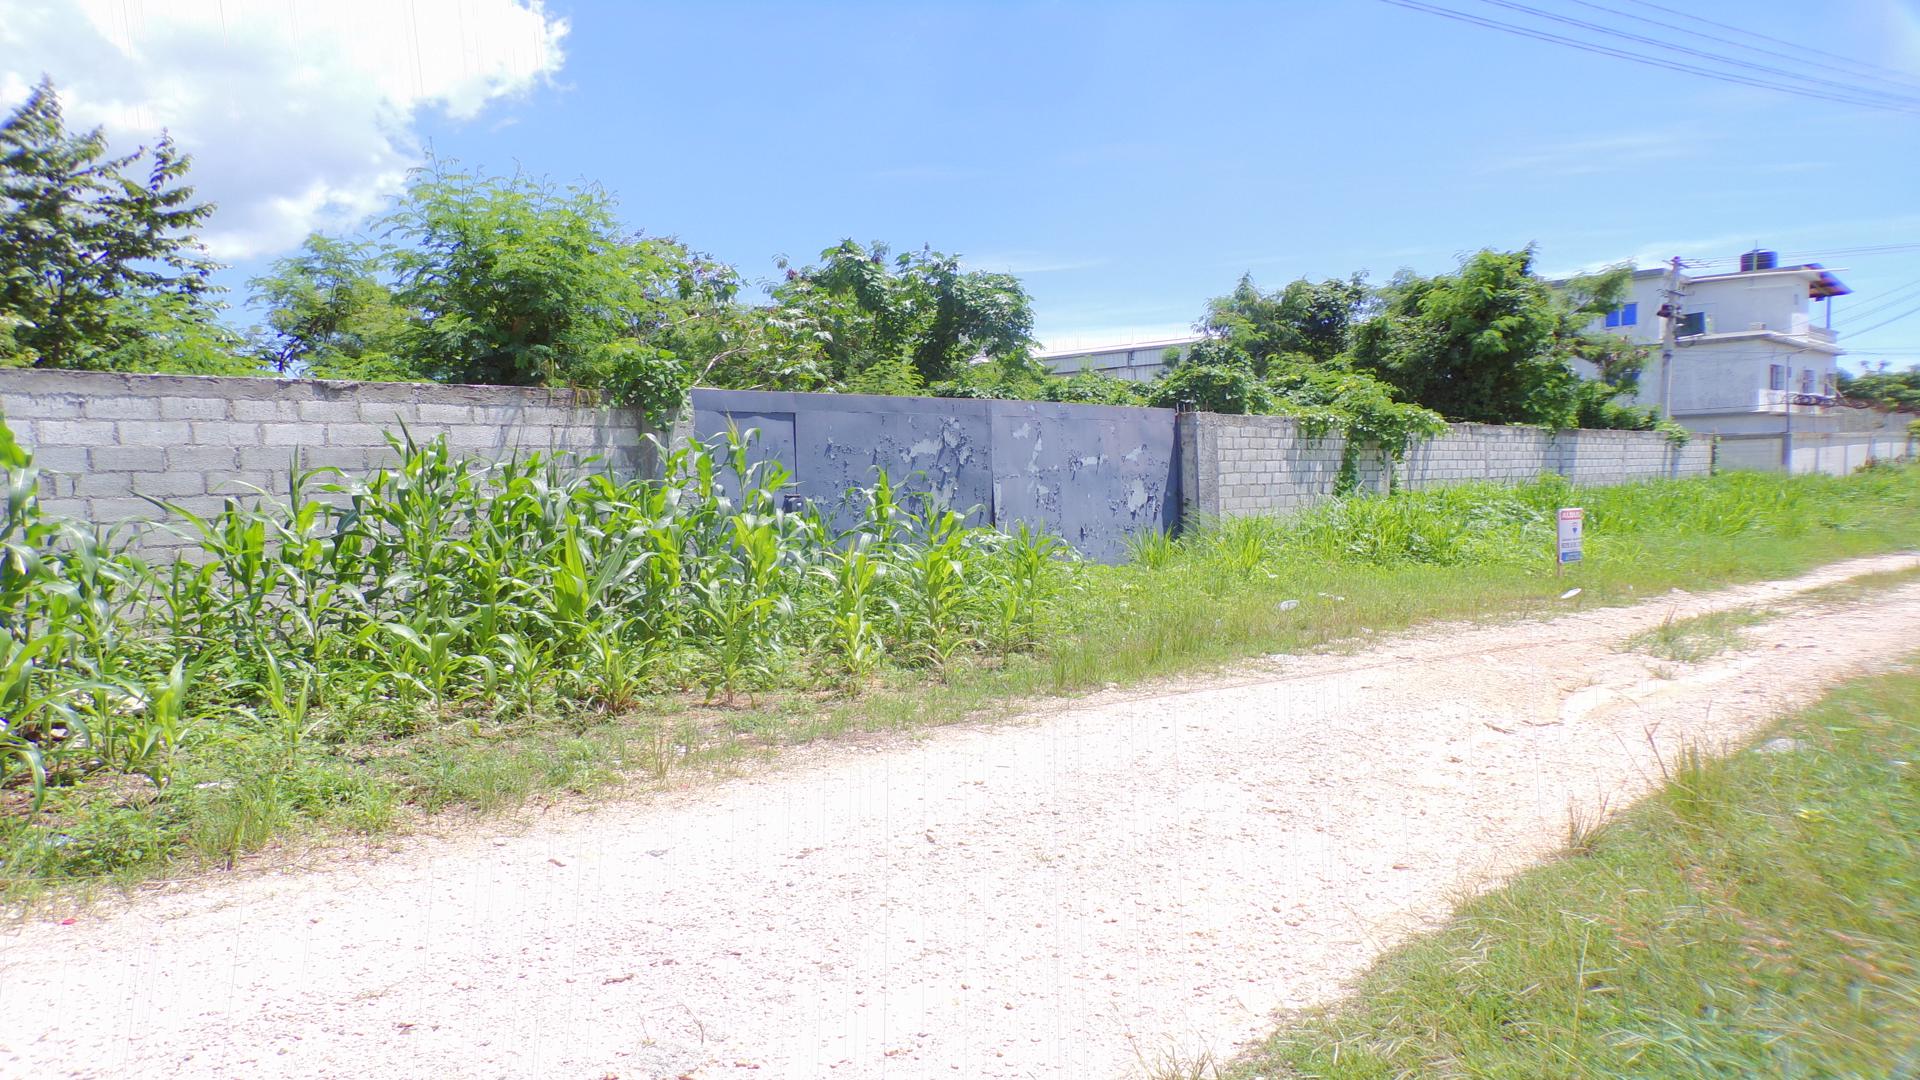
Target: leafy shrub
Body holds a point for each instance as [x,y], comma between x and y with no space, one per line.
[1216,377]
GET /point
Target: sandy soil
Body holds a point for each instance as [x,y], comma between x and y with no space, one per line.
[1040,899]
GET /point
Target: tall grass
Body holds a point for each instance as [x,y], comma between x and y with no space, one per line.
[1250,585]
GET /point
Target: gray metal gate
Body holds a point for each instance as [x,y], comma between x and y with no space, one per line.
[1091,474]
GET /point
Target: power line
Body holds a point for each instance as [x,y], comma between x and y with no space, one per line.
[1801,55]
[1777,41]
[1858,252]
[1868,252]
[1891,298]
[1903,96]
[1648,61]
[1909,313]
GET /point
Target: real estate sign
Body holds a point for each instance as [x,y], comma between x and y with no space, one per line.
[1572,521]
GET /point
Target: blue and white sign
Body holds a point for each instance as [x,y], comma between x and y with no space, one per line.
[1572,523]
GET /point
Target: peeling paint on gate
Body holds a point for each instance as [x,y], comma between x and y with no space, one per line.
[1091,474]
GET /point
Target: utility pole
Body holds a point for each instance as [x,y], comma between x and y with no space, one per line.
[1786,436]
[1667,331]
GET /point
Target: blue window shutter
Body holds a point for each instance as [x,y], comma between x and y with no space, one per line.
[1630,315]
[1613,317]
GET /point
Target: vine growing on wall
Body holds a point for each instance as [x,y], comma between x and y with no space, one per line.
[1325,396]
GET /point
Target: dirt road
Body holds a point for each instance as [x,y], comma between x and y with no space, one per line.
[1036,899]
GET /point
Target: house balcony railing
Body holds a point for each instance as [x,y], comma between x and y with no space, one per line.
[1797,329]
[1779,401]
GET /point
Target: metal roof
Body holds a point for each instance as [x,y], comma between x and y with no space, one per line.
[1119,346]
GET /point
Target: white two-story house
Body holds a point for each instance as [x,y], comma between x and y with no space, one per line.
[1753,349]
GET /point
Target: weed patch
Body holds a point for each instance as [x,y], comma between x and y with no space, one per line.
[1701,637]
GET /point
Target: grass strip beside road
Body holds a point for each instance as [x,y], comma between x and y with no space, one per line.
[1337,575]
[1759,916]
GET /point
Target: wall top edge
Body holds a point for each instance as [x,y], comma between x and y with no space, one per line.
[246,388]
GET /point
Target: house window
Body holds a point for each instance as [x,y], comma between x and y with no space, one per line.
[1624,315]
[1776,376]
[1806,381]
[1832,388]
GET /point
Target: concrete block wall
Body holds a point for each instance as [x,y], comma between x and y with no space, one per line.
[1834,453]
[1235,465]
[102,440]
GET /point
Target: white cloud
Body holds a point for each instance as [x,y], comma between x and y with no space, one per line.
[299,114]
[1606,154]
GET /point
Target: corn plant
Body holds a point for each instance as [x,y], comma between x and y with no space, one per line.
[852,636]
[159,726]
[33,712]
[617,668]
[290,707]
[439,587]
[1028,565]
[936,572]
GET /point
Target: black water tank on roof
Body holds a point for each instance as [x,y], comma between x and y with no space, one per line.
[1759,260]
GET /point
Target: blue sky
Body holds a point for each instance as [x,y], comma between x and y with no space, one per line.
[1130,160]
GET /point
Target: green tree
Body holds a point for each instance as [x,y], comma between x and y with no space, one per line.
[1887,389]
[1474,345]
[1494,343]
[859,308]
[172,335]
[1020,376]
[1304,318]
[1093,388]
[1216,376]
[97,252]
[329,314]
[516,281]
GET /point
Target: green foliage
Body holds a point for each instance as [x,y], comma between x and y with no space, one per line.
[1019,376]
[859,308]
[1093,388]
[888,375]
[1472,346]
[1331,396]
[1887,389]
[329,314]
[163,333]
[1494,343]
[1304,318]
[1217,376]
[516,281]
[97,253]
